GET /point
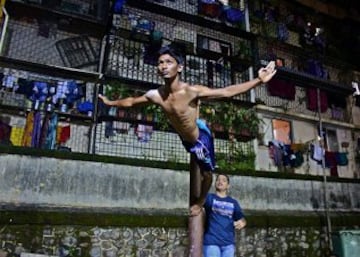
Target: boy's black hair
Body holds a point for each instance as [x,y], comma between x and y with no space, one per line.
[173,51]
[222,174]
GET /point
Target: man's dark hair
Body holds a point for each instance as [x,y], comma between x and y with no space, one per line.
[173,52]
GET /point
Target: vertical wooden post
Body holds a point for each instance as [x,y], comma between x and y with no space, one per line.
[196,223]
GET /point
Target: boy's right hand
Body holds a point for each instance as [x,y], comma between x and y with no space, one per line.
[103,98]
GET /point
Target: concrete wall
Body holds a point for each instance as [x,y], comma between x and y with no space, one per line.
[50,182]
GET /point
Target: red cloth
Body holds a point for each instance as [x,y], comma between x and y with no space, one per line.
[331,162]
[281,88]
[5,131]
[312,103]
[63,134]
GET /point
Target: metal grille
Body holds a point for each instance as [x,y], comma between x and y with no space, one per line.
[187,6]
[86,8]
[134,140]
[297,106]
[36,42]
[126,60]
[132,53]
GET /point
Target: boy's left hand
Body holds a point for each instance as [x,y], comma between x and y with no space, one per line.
[265,74]
[239,224]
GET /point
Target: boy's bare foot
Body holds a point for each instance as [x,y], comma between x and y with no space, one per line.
[195,210]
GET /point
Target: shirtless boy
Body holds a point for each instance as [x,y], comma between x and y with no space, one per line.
[180,102]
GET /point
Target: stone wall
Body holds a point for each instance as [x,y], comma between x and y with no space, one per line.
[76,241]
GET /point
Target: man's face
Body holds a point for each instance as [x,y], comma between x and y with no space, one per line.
[168,66]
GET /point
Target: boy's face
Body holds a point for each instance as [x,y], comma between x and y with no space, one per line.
[222,183]
[168,67]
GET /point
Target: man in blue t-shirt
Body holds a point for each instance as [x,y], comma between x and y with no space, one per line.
[223,216]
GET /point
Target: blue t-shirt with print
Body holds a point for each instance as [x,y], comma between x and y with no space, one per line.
[220,216]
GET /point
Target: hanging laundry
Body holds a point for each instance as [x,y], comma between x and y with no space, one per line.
[299,159]
[118,6]
[85,107]
[9,81]
[36,133]
[16,135]
[5,131]
[50,142]
[316,68]
[29,125]
[317,153]
[330,162]
[337,113]
[109,129]
[209,8]
[61,91]
[72,93]
[312,100]
[48,131]
[234,15]
[341,159]
[62,134]
[276,152]
[281,88]
[44,128]
[289,156]
[40,91]
[143,132]
[121,127]
[25,87]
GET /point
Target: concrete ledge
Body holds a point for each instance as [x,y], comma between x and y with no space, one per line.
[258,219]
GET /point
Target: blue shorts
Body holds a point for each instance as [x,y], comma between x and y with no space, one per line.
[203,149]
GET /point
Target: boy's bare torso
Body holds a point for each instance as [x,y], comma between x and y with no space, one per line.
[181,108]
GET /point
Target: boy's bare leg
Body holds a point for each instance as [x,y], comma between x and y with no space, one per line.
[206,182]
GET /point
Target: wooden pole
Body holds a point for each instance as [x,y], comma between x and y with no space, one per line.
[196,223]
[2,4]
[325,194]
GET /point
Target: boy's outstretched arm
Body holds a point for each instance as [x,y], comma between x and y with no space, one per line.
[125,102]
[264,75]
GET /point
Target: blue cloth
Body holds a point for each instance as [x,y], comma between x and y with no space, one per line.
[35,136]
[72,93]
[234,15]
[50,142]
[118,6]
[203,149]
[40,91]
[220,216]
[85,107]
